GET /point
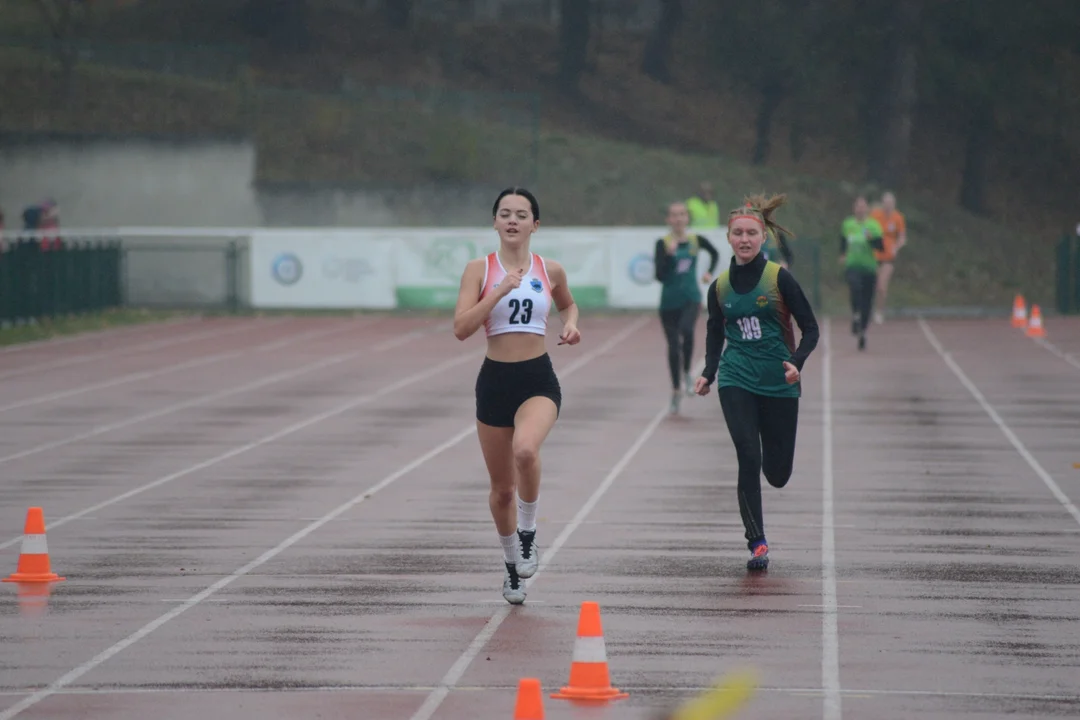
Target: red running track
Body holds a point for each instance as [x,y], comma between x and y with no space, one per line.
[287,518]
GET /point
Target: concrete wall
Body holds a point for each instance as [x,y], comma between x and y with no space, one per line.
[145,183]
[109,183]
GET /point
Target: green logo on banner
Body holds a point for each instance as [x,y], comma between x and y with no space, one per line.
[446,257]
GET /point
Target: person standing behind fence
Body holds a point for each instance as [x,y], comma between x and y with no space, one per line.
[50,225]
[703,209]
[675,260]
[860,235]
[894,237]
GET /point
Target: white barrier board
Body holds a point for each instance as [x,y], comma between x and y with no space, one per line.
[316,268]
[421,267]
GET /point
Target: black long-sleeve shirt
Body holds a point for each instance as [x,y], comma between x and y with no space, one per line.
[743,279]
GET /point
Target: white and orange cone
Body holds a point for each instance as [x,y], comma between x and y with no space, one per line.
[1035,328]
[530,700]
[589,676]
[34,558]
[1019,314]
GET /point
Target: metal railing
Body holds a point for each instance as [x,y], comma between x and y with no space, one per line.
[46,279]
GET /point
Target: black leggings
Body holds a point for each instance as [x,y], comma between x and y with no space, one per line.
[763,430]
[862,284]
[679,330]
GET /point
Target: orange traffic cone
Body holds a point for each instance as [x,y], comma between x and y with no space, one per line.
[34,558]
[1035,327]
[530,702]
[1019,316]
[589,679]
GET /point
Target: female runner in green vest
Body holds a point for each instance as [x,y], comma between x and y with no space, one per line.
[680,297]
[751,306]
[860,236]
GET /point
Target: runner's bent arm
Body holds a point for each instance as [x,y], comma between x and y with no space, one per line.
[875,242]
[714,255]
[714,337]
[471,312]
[561,295]
[796,301]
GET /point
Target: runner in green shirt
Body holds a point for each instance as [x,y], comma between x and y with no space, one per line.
[860,235]
[675,260]
[751,306]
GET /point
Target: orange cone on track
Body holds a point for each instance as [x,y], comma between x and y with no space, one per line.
[34,559]
[1035,328]
[1019,316]
[530,701]
[589,678]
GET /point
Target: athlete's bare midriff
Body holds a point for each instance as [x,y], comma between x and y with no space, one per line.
[515,347]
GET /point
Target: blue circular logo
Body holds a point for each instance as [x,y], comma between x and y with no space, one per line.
[642,269]
[287,269]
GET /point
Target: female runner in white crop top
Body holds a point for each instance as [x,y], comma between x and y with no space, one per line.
[510,293]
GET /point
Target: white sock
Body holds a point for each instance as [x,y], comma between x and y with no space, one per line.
[526,515]
[510,547]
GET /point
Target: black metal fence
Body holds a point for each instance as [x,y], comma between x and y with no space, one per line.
[1068,275]
[42,279]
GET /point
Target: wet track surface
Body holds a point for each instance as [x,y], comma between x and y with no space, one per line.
[283,518]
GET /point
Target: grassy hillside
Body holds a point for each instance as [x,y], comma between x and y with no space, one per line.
[613,155]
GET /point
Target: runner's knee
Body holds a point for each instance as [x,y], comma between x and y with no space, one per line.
[777,476]
[502,497]
[526,455]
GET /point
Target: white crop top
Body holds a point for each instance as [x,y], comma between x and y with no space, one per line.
[526,307]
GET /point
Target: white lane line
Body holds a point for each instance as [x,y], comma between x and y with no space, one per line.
[829,607]
[211,397]
[1067,357]
[70,677]
[1047,479]
[457,670]
[830,634]
[166,370]
[107,334]
[265,440]
[687,689]
[138,348]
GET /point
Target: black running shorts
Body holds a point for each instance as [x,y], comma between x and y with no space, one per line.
[502,387]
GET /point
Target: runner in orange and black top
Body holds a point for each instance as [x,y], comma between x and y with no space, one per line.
[894,237]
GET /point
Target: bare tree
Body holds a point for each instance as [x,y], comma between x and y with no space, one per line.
[284,23]
[398,13]
[901,93]
[657,55]
[573,42]
[64,18]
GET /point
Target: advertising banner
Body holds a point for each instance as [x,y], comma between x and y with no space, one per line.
[421,267]
[430,262]
[319,268]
